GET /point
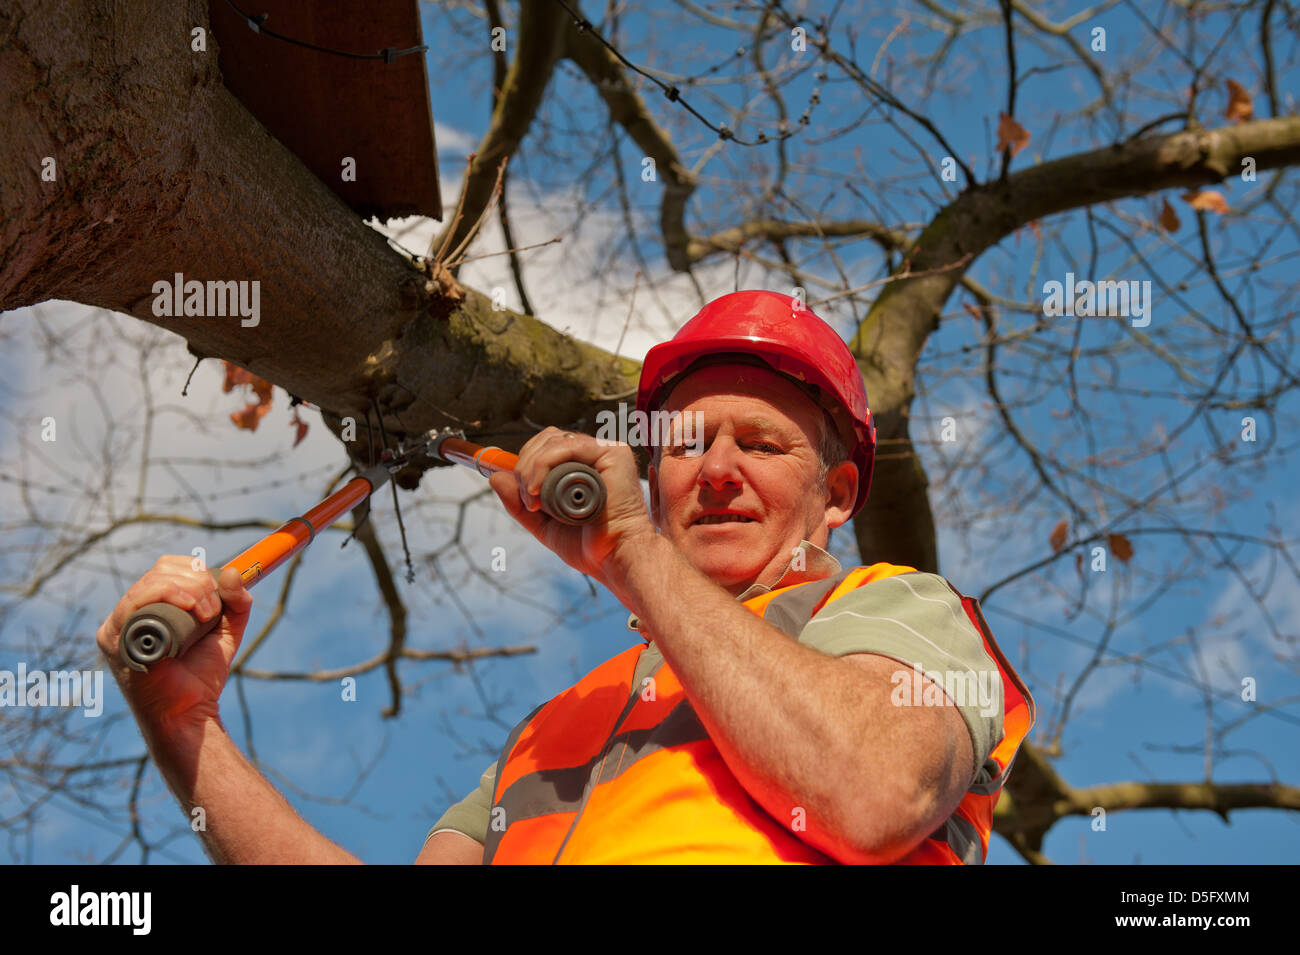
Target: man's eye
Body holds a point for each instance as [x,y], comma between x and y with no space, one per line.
[765,447]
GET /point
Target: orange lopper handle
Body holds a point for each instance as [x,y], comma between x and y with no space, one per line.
[161,630]
[572,493]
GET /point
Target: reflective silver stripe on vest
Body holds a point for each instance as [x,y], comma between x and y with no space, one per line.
[494,835]
[989,780]
[962,838]
[567,789]
[561,790]
[790,612]
[633,699]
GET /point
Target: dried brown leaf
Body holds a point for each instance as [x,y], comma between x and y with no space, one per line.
[1206,200]
[1057,540]
[236,376]
[297,422]
[1168,217]
[1011,135]
[1241,108]
[252,415]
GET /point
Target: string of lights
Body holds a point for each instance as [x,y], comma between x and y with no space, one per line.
[258,25]
[675,96]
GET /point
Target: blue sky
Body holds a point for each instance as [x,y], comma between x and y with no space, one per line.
[1127,723]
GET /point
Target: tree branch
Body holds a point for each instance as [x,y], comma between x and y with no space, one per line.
[898,524]
[629,110]
[772,230]
[171,176]
[396,612]
[1036,798]
[538,43]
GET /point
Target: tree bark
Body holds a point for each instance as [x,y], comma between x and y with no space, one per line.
[160,171]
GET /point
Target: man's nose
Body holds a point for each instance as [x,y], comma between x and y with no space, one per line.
[720,465]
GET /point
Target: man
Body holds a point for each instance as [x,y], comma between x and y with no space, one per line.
[779,710]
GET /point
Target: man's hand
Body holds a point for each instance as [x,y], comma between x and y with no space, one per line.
[179,695]
[175,704]
[593,548]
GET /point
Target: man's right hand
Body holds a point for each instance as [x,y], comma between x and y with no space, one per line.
[179,694]
[175,704]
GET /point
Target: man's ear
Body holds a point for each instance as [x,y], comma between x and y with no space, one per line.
[841,492]
[652,478]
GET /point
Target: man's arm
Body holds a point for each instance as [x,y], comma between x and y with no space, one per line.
[450,847]
[245,820]
[458,837]
[815,739]
[937,744]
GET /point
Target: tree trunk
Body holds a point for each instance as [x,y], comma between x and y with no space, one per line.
[160,171]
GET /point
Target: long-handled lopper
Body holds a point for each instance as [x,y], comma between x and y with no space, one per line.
[573,493]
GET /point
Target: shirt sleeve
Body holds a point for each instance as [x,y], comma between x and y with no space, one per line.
[471,815]
[918,620]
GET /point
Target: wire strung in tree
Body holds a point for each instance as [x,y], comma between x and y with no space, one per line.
[674,94]
[258,25]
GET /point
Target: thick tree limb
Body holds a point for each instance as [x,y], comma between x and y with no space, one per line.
[170,174]
[1036,798]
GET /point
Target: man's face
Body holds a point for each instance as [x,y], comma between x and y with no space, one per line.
[738,510]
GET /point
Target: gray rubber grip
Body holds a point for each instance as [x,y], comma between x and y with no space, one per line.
[573,493]
[161,630]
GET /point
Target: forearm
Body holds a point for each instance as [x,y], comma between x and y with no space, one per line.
[799,754]
[244,819]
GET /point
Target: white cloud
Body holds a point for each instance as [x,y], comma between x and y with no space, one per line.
[1240,643]
[569,283]
[449,139]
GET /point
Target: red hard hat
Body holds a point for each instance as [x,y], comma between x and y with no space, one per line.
[786,336]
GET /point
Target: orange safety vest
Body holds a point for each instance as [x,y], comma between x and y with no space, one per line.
[607,772]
